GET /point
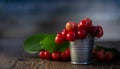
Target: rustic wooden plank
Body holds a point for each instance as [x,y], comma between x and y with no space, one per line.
[68,65]
[57,65]
[7,62]
[30,63]
[27,65]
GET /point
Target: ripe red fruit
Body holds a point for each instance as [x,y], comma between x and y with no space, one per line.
[41,54]
[59,39]
[67,52]
[71,36]
[71,26]
[56,56]
[47,55]
[59,34]
[64,56]
[96,31]
[64,33]
[100,55]
[89,21]
[94,51]
[93,30]
[82,34]
[100,31]
[109,56]
[85,24]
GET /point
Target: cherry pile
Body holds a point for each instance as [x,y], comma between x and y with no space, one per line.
[102,55]
[71,32]
[55,55]
[83,29]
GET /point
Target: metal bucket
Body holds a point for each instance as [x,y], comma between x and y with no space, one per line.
[81,51]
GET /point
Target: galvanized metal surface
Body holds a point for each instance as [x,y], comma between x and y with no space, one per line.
[81,51]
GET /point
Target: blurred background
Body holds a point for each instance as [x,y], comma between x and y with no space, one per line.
[20,19]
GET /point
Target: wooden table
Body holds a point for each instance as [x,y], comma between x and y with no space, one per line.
[32,61]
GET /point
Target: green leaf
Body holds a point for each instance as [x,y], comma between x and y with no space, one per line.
[64,46]
[49,44]
[32,44]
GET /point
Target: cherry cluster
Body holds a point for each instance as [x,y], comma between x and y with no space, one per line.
[102,55]
[80,30]
[55,55]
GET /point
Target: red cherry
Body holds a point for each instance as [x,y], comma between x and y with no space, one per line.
[94,51]
[41,54]
[109,56]
[93,30]
[100,55]
[56,56]
[71,26]
[100,31]
[59,34]
[64,33]
[47,55]
[67,52]
[71,36]
[64,56]
[89,21]
[82,34]
[85,24]
[59,39]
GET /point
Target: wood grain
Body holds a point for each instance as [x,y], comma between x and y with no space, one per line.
[29,61]
[7,62]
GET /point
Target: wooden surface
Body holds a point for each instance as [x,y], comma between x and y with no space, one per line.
[32,61]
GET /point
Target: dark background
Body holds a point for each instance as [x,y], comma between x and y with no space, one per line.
[20,19]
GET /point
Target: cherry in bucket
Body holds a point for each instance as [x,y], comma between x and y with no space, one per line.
[81,30]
